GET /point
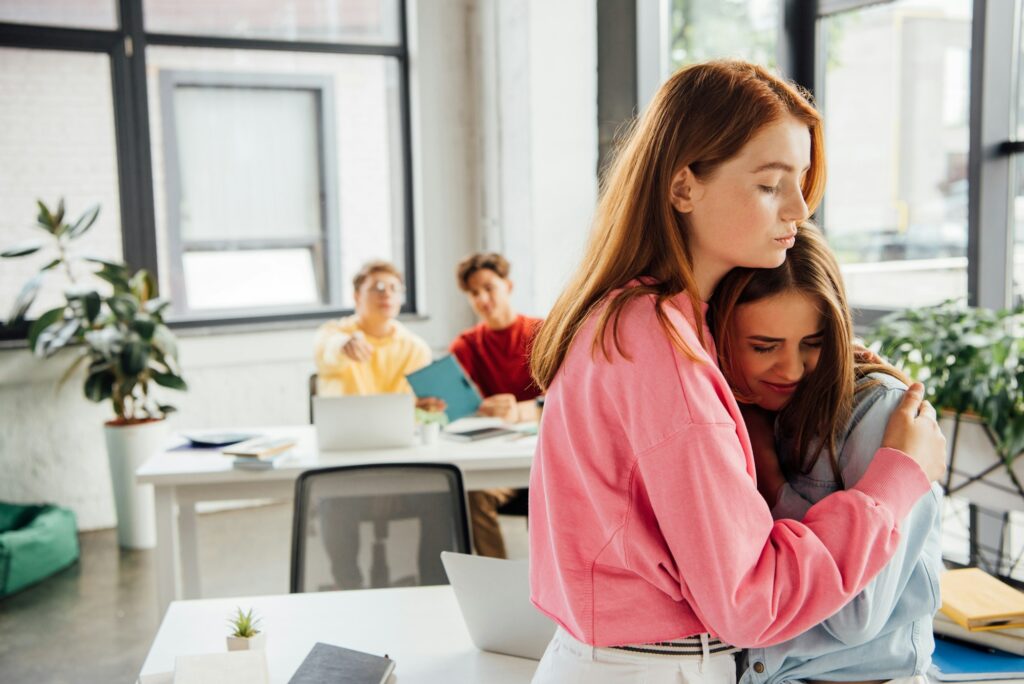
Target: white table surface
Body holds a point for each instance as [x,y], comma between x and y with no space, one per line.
[420,628]
[183,476]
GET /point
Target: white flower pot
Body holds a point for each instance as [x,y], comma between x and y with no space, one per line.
[128,447]
[253,643]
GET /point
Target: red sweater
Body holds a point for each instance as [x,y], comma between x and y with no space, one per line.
[645,521]
[498,361]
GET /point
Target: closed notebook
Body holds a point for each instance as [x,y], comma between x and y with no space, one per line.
[976,600]
[329,663]
[956,662]
[1009,640]
[230,667]
[446,380]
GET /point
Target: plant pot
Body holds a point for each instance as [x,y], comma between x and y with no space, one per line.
[128,447]
[429,433]
[977,471]
[253,643]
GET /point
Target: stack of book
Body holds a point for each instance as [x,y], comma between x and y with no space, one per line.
[982,628]
[262,453]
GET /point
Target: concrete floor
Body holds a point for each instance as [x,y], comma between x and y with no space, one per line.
[95,621]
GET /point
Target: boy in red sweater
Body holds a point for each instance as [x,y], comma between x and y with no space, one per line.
[495,354]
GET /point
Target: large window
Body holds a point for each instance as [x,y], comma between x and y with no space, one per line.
[895,95]
[252,155]
[923,102]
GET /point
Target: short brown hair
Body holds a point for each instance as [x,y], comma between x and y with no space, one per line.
[375,266]
[477,262]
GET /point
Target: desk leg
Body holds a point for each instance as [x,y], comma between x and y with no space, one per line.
[189,549]
[167,574]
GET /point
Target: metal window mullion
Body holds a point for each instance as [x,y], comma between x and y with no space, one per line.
[411,302]
[249,244]
[797,41]
[989,198]
[223,42]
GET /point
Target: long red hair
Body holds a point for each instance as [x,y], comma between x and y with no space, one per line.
[700,117]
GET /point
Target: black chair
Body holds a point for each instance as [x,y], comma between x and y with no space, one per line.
[351,518]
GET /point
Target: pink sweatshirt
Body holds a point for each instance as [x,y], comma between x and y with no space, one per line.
[645,520]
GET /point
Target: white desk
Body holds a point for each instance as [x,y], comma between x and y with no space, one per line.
[182,477]
[420,628]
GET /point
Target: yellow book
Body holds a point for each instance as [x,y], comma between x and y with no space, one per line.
[978,601]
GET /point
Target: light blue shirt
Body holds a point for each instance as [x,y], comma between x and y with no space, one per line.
[886,630]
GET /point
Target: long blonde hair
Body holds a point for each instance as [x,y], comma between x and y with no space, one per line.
[700,117]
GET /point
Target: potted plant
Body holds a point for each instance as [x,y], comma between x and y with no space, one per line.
[245,633]
[124,345]
[971,361]
[430,424]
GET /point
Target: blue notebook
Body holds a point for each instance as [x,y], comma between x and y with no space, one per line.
[954,661]
[446,380]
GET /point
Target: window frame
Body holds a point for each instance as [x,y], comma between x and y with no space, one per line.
[126,47]
[325,248]
[993,142]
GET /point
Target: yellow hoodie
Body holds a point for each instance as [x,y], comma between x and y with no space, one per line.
[393,357]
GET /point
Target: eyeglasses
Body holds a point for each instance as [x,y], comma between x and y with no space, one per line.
[380,287]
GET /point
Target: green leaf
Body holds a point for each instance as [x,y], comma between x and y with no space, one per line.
[42,323]
[124,306]
[134,358]
[156,306]
[25,298]
[115,276]
[166,408]
[22,250]
[142,285]
[58,217]
[51,343]
[84,222]
[169,380]
[144,327]
[99,386]
[92,303]
[45,218]
[52,265]
[106,262]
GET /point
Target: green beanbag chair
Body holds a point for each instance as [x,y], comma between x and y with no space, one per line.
[35,542]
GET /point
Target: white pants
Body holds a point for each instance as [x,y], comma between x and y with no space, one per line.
[567,661]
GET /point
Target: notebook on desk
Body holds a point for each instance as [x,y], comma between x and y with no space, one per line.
[494,597]
[446,380]
[955,661]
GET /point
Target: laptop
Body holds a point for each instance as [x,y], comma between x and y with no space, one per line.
[494,597]
[374,421]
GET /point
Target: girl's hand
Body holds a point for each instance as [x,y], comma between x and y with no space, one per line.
[914,430]
[431,404]
[761,428]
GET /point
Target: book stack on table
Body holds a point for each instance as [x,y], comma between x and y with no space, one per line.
[981,625]
[261,453]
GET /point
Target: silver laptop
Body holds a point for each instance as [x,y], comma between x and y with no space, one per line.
[494,597]
[374,421]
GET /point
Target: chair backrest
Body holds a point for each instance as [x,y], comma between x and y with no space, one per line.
[313,380]
[382,525]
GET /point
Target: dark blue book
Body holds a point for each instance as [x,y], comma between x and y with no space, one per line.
[954,661]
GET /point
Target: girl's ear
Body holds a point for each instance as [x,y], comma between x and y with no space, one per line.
[682,190]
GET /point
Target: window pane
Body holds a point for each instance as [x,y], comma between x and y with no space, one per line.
[94,14]
[250,196]
[251,278]
[333,21]
[56,140]
[706,29]
[896,99]
[248,163]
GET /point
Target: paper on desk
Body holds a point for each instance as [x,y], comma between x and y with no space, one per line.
[156,678]
[230,667]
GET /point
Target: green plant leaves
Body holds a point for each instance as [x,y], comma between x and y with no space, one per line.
[22,250]
[25,298]
[169,380]
[124,306]
[134,358]
[42,323]
[971,360]
[99,385]
[84,222]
